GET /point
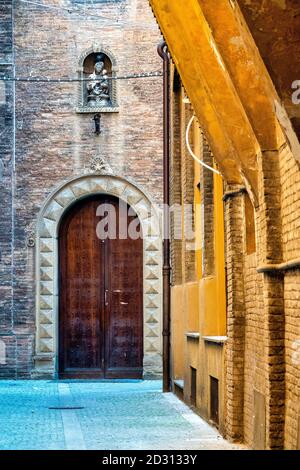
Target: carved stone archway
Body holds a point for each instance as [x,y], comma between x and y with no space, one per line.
[47,267]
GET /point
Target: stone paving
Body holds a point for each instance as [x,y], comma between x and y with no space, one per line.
[121,415]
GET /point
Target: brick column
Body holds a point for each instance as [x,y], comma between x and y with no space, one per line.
[270,253]
[235,313]
[275,360]
[207,182]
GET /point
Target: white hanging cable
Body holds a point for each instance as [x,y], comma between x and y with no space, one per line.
[191,151]
[69,10]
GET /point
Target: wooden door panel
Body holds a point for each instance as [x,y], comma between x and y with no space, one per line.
[124,318]
[101,298]
[81,293]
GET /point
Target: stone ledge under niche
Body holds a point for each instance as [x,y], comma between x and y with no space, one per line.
[94,110]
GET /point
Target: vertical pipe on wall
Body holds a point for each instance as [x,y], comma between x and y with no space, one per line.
[163,52]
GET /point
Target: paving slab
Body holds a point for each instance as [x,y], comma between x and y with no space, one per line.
[100,415]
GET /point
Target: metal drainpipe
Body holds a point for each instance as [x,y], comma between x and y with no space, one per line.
[163,52]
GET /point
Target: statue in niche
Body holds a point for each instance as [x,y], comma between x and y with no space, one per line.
[98,85]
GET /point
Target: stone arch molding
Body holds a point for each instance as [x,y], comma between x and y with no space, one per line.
[47,267]
[95,49]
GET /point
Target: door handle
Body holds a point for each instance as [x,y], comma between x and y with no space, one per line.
[105,295]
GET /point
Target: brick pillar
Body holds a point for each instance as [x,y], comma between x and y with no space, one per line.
[207,182]
[270,253]
[235,313]
[275,360]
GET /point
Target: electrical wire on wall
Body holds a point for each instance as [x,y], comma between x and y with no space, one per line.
[84,12]
[69,10]
[79,79]
[191,151]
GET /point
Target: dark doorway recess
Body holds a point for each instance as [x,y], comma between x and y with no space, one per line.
[214,400]
[193,386]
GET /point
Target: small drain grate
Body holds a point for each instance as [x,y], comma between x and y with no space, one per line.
[66,408]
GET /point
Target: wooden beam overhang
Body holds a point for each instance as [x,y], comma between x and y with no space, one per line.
[216,90]
[275,27]
[246,69]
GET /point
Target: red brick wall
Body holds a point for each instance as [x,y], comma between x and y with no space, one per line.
[6,187]
[54,143]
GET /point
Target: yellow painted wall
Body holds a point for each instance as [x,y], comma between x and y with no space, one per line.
[177,332]
[200,306]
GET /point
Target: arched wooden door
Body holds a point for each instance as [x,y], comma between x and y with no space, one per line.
[101,294]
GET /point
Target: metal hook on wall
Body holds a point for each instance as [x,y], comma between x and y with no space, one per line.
[97,120]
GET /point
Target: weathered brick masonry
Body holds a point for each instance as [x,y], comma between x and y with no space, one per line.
[262,361]
[54,143]
[6,186]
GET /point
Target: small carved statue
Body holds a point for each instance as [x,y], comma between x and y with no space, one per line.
[98,85]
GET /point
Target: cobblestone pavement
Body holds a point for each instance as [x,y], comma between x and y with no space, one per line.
[105,415]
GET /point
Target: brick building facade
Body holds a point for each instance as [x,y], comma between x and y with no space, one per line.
[49,147]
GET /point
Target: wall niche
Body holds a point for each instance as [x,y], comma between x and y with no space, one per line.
[97,88]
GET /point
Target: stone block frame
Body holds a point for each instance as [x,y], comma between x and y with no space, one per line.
[47,295]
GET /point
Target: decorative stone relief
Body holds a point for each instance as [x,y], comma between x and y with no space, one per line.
[98,89]
[47,265]
[99,166]
[30,236]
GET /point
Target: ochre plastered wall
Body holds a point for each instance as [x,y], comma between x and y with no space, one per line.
[198,306]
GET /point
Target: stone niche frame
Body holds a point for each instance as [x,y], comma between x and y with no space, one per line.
[83,107]
[47,282]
